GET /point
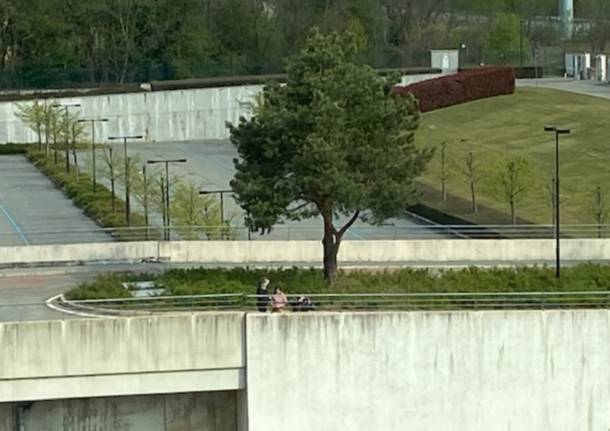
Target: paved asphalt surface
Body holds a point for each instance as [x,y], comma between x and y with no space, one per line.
[210,166]
[33,210]
[589,88]
[24,291]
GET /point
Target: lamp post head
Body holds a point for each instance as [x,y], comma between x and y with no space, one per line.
[153,162]
[550,128]
[124,138]
[563,131]
[93,120]
[213,192]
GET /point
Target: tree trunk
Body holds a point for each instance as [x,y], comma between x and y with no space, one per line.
[76,170]
[39,137]
[475,208]
[113,194]
[146,217]
[46,135]
[330,255]
[330,249]
[332,242]
[513,215]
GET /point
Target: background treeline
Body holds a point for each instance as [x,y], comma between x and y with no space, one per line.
[59,42]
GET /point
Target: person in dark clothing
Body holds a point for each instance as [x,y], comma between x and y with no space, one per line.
[303,303]
[262,296]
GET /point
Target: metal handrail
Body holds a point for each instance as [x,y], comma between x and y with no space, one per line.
[360,301]
[290,232]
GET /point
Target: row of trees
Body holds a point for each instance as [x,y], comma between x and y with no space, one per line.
[62,138]
[509,181]
[192,215]
[50,42]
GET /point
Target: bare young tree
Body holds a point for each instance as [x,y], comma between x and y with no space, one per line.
[51,127]
[471,173]
[112,160]
[33,116]
[188,210]
[550,197]
[145,190]
[600,209]
[158,200]
[78,136]
[511,181]
[445,172]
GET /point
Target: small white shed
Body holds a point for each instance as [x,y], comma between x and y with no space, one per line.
[601,71]
[448,60]
[578,66]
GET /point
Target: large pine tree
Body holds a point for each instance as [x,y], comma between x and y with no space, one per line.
[334,141]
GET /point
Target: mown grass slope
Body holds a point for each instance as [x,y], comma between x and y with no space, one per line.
[507,127]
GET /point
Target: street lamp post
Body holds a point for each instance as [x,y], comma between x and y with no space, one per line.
[167,206]
[557,131]
[93,121]
[127,203]
[222,201]
[464,62]
[67,106]
[521,40]
[145,199]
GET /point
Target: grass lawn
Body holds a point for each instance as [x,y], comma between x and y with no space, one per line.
[507,127]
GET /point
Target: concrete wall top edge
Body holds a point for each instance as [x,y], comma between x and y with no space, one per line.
[128,345]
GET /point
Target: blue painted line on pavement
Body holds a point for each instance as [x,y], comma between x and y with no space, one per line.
[14,224]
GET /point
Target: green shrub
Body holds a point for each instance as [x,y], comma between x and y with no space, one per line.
[11,149]
[586,277]
[105,286]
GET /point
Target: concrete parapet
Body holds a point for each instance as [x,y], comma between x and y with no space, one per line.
[500,370]
[442,251]
[121,356]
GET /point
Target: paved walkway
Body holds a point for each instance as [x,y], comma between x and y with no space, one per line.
[210,165]
[32,209]
[588,88]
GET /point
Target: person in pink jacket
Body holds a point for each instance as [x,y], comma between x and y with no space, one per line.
[278,300]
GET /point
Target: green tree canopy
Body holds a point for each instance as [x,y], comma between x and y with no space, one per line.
[506,40]
[334,141]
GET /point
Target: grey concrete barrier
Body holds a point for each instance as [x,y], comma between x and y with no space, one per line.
[105,357]
[163,116]
[71,253]
[477,371]
[310,252]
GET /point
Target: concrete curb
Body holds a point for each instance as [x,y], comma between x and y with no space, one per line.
[52,304]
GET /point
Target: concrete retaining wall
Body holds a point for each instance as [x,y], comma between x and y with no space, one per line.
[107,251]
[135,355]
[165,116]
[310,252]
[212,411]
[180,115]
[454,371]
[474,371]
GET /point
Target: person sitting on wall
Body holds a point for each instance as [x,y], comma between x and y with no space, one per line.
[278,300]
[262,295]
